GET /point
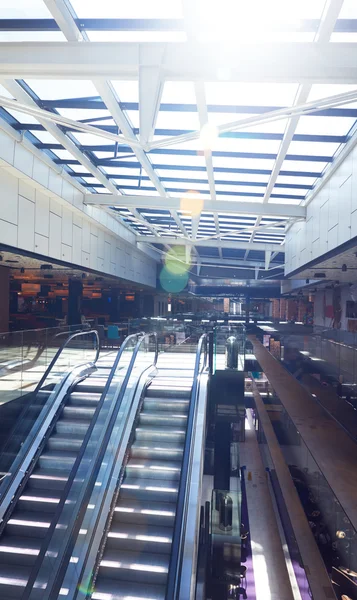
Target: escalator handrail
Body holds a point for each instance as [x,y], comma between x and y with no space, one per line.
[97,461]
[182,497]
[93,332]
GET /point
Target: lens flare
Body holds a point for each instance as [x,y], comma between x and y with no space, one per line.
[172,282]
[177,262]
[192,202]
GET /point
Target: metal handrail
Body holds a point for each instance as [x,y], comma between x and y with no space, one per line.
[58,575]
[182,497]
[60,350]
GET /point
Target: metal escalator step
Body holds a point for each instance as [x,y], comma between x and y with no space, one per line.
[132,566]
[146,432]
[15,550]
[153,469]
[83,399]
[156,450]
[60,443]
[139,538]
[108,588]
[78,412]
[163,404]
[150,490]
[157,391]
[145,512]
[13,580]
[161,419]
[28,524]
[68,427]
[38,501]
[59,461]
[50,479]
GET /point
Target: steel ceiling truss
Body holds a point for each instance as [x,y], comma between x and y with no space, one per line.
[147,146]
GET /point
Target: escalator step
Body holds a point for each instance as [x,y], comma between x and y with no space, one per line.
[142,512]
[49,479]
[38,501]
[61,443]
[153,469]
[108,588]
[127,565]
[173,434]
[162,404]
[13,580]
[161,419]
[152,490]
[78,412]
[162,391]
[15,550]
[83,399]
[157,450]
[59,461]
[28,524]
[69,428]
[140,538]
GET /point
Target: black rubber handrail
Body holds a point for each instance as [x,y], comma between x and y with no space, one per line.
[72,534]
[182,498]
[94,332]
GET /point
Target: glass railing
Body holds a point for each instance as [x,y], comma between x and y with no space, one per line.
[92,472]
[334,533]
[21,422]
[25,356]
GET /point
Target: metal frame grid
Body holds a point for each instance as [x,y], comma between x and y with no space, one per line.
[134,137]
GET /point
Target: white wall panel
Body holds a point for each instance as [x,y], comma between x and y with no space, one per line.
[41,173]
[42,214]
[86,237]
[43,210]
[7,149]
[77,245]
[23,160]
[331,218]
[8,233]
[67,223]
[26,190]
[9,187]
[26,226]
[55,236]
[66,253]
[41,244]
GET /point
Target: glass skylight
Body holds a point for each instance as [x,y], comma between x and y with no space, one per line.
[243,161]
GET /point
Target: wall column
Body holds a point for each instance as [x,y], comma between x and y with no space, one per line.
[4,299]
[75,293]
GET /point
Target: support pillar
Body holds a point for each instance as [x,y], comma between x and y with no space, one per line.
[4,299]
[75,294]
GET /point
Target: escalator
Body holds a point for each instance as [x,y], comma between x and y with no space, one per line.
[26,528]
[30,513]
[137,551]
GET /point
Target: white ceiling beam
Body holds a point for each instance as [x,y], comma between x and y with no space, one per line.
[105,90]
[220,206]
[203,119]
[231,262]
[69,28]
[281,62]
[150,92]
[174,241]
[326,27]
[64,20]
[268,254]
[19,93]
